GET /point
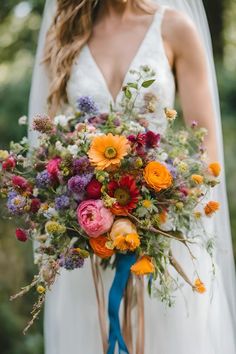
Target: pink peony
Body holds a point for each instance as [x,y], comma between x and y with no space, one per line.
[53,166]
[94,218]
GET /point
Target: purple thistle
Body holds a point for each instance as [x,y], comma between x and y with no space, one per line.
[62,202]
[43,179]
[16,203]
[71,261]
[87,105]
[77,184]
[82,165]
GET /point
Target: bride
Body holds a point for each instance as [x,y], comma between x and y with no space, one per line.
[89,49]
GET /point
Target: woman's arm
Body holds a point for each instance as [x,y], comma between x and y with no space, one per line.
[189,63]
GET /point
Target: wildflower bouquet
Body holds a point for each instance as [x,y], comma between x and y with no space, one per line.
[104,184]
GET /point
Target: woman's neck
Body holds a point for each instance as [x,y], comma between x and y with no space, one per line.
[123,9]
[117,8]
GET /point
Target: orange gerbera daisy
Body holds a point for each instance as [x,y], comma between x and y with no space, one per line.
[108,150]
[211,207]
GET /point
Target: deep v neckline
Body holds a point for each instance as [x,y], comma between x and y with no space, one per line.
[130,65]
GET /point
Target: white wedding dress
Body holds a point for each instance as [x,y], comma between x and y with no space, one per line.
[195,324]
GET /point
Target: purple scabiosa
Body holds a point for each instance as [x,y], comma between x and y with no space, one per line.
[87,105]
[43,179]
[77,184]
[16,203]
[71,261]
[42,124]
[62,202]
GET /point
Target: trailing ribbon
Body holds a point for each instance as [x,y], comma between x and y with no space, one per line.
[123,265]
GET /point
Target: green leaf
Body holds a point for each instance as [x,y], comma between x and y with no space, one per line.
[133,85]
[128,93]
[148,83]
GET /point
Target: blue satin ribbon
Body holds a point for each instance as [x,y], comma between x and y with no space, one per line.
[123,265]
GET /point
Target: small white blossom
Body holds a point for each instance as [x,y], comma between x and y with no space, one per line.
[22,120]
[50,213]
[73,149]
[61,120]
[24,140]
[35,192]
[135,128]
[59,146]
[163,156]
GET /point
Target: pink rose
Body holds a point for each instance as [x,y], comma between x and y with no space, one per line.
[94,218]
[53,166]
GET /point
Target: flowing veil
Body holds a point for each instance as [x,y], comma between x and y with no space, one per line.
[195,10]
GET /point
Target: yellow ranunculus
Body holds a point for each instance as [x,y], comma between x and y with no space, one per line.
[122,227]
[143,266]
[157,176]
[127,243]
[215,168]
[198,179]
[199,286]
[171,114]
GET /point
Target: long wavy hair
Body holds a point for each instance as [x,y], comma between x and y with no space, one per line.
[70,30]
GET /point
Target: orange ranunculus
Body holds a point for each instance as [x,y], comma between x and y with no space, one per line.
[199,286]
[214,168]
[211,207]
[128,242]
[122,226]
[108,150]
[98,245]
[157,176]
[198,179]
[143,266]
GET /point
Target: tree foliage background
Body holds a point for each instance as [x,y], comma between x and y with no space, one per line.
[19,25]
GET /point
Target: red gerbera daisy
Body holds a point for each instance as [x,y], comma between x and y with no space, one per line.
[126,193]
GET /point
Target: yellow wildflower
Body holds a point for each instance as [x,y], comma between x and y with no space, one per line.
[40,289]
[53,227]
[4,154]
[147,203]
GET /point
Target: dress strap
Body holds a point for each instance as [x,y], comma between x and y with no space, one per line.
[160,13]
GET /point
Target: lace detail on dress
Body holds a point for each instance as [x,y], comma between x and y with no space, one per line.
[87,79]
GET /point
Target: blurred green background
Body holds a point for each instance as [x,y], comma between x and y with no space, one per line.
[19,25]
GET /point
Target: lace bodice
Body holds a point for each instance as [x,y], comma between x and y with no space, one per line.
[87,79]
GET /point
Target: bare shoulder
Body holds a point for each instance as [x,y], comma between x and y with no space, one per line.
[180,31]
